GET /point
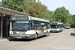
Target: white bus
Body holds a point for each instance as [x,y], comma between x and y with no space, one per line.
[67,26]
[27,27]
[56,27]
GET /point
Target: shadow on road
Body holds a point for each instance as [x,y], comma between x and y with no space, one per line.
[27,40]
[55,32]
[72,34]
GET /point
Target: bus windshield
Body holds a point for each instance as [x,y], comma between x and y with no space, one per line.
[67,24]
[20,26]
[54,26]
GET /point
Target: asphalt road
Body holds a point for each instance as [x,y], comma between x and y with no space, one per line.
[55,41]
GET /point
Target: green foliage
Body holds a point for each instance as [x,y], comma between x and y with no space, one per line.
[73,16]
[49,15]
[73,21]
[28,6]
[19,5]
[61,15]
[36,9]
[0,3]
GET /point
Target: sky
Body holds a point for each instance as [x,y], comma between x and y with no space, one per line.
[54,4]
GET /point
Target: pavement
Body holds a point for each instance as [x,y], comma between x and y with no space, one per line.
[3,40]
[55,41]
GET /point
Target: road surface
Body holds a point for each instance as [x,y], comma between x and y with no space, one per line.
[55,41]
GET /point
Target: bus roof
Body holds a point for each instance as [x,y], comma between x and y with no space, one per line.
[56,23]
[28,18]
[60,23]
[38,19]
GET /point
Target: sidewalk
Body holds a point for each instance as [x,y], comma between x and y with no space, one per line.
[3,40]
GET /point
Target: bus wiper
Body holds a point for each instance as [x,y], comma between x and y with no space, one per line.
[15,29]
[19,29]
[23,29]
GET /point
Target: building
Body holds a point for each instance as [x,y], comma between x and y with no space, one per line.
[4,20]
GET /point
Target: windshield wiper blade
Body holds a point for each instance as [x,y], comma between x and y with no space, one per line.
[23,29]
[19,29]
[15,29]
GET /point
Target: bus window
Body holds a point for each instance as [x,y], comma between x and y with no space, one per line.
[53,26]
[19,26]
[58,26]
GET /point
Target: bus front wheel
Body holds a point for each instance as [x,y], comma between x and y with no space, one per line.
[10,39]
[36,36]
[47,33]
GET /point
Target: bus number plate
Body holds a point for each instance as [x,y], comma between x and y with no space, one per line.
[18,37]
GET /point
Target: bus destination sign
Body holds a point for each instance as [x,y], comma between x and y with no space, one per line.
[19,18]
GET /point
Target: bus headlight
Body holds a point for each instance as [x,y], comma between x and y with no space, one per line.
[57,29]
[11,32]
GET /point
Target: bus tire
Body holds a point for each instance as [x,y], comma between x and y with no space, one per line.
[36,36]
[58,31]
[47,33]
[10,39]
[61,30]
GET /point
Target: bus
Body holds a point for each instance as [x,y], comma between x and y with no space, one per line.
[56,27]
[28,27]
[67,26]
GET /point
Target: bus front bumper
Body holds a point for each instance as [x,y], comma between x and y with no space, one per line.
[67,27]
[54,30]
[21,36]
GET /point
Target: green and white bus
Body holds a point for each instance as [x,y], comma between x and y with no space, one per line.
[56,27]
[27,27]
[67,26]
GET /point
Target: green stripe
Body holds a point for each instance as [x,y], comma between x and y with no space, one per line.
[60,23]
[39,20]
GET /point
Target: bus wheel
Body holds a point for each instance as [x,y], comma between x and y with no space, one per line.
[36,36]
[58,31]
[10,39]
[47,34]
[61,30]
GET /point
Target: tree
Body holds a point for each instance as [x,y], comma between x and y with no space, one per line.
[61,14]
[34,0]
[0,3]
[73,21]
[36,9]
[49,15]
[73,16]
[19,5]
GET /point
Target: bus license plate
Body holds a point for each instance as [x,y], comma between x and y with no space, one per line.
[18,37]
